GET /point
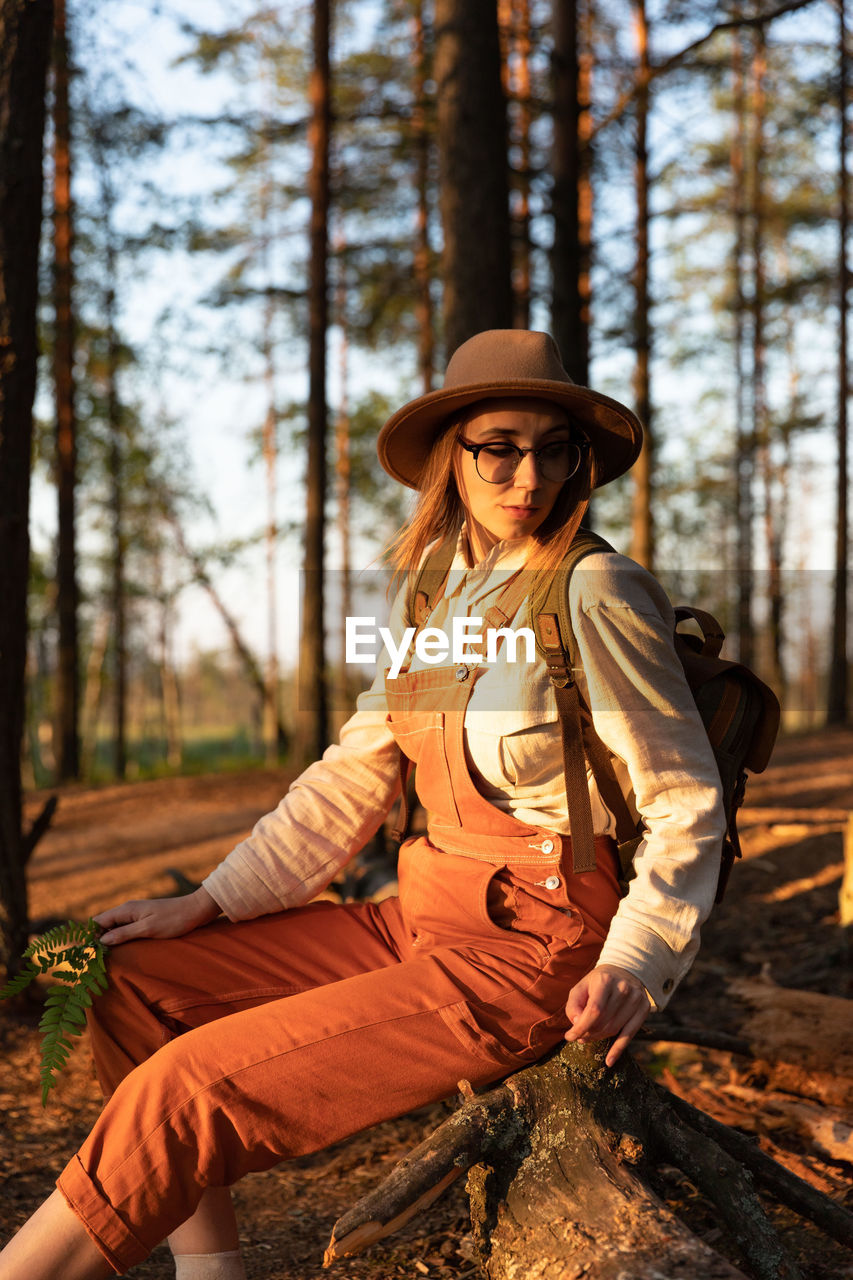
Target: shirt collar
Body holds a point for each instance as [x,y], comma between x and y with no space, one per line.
[489,574]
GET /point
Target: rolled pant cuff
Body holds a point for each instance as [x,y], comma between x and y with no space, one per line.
[107,1229]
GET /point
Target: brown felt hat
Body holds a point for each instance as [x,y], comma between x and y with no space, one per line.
[508,362]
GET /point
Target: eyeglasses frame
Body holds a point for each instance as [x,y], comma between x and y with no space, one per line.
[474,449]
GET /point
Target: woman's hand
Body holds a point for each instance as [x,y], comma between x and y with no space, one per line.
[608,1001]
[156,917]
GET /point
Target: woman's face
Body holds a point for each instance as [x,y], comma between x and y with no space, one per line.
[518,506]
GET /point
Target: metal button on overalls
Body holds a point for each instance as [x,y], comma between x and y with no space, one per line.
[553,882]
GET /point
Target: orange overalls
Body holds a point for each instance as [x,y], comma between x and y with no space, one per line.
[241,1044]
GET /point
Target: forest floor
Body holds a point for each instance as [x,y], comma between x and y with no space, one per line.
[779,920]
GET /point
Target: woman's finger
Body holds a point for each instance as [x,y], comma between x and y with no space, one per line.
[629,1030]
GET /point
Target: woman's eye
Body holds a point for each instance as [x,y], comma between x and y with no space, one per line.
[498,450]
[558,449]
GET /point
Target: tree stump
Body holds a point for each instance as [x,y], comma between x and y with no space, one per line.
[563,1158]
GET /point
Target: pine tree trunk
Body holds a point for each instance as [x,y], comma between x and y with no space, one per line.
[116,471]
[269,441]
[473,187]
[514,18]
[343,468]
[839,671]
[25,32]
[67,675]
[423,141]
[170,698]
[312,649]
[761,427]
[642,516]
[270,452]
[571,195]
[744,441]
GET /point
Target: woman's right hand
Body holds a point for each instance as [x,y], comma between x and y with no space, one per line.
[156,917]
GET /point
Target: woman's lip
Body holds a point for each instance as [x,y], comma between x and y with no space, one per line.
[521,511]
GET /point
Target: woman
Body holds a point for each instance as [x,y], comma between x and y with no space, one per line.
[231,1043]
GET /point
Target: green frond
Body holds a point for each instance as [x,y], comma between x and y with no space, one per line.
[74,953]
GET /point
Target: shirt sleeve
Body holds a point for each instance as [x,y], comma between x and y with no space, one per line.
[328,814]
[644,712]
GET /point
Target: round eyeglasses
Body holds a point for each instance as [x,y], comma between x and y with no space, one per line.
[497,460]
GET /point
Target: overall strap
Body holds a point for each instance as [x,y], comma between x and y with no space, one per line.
[426,591]
[558,661]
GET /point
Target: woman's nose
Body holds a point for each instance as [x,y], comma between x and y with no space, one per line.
[528,475]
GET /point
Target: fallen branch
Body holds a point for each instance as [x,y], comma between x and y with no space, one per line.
[784,1186]
[802,1038]
[701,1037]
[421,1176]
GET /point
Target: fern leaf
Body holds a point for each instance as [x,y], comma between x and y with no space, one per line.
[74,952]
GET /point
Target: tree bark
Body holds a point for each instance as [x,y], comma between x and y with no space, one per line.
[564,1158]
[343,466]
[473,186]
[25,32]
[116,472]
[642,515]
[67,597]
[839,671]
[312,648]
[571,192]
[270,720]
[423,141]
[514,19]
[744,465]
[755,180]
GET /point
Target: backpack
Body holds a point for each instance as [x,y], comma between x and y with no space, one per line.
[739,711]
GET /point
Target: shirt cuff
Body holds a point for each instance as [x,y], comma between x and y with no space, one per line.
[648,957]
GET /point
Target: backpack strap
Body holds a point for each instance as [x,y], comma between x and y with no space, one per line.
[552,624]
[428,583]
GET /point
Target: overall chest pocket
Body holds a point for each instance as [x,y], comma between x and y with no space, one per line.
[421,737]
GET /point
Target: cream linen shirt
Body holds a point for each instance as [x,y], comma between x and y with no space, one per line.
[642,709]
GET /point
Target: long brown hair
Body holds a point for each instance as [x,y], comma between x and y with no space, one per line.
[440,512]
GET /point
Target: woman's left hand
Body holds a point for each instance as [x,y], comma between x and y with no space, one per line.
[608,1001]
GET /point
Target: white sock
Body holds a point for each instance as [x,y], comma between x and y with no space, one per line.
[210,1266]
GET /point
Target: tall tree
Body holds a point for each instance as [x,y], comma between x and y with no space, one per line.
[516,45]
[571,193]
[839,671]
[67,675]
[103,143]
[744,437]
[642,516]
[25,33]
[473,184]
[422,145]
[312,648]
[269,443]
